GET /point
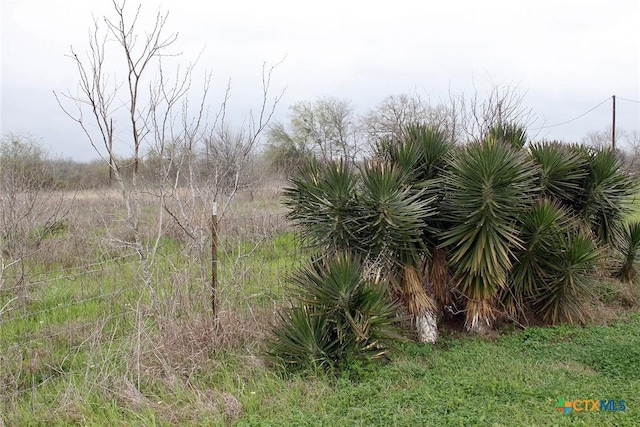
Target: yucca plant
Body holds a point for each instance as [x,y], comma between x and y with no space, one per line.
[488,187]
[544,228]
[435,150]
[392,214]
[569,281]
[630,250]
[406,155]
[322,201]
[562,172]
[341,315]
[377,215]
[303,340]
[435,147]
[509,133]
[392,221]
[501,223]
[608,195]
[419,155]
[421,152]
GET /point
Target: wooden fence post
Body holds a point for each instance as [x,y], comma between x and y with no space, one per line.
[214,260]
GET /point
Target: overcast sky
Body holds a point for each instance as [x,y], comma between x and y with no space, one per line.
[566,56]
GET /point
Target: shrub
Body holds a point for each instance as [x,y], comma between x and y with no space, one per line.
[630,249]
[498,225]
[340,316]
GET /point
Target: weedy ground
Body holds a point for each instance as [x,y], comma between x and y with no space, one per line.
[83,342]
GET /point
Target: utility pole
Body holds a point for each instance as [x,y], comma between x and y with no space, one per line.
[613,125]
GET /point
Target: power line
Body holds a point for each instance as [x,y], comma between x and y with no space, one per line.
[628,100]
[575,118]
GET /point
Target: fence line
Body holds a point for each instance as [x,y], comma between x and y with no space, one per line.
[54,313]
[82,271]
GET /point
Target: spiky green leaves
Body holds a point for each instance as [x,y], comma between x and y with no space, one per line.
[513,226]
[488,186]
[393,215]
[421,152]
[543,229]
[340,316]
[375,213]
[563,170]
[630,249]
[609,191]
[322,200]
[511,134]
[592,184]
[568,281]
[555,269]
[302,340]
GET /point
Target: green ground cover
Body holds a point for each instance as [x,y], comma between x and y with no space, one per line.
[89,351]
[514,379]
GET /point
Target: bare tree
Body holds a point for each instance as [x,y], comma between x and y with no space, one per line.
[632,147]
[463,117]
[477,114]
[602,139]
[159,113]
[103,96]
[99,90]
[326,127]
[31,210]
[389,118]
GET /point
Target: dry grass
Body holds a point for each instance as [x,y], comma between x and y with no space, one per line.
[614,300]
[102,335]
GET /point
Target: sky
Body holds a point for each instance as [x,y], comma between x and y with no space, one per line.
[565,57]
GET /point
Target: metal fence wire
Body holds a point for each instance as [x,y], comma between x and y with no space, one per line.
[50,316]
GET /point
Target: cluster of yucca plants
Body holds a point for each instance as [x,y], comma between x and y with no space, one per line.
[373,213]
[367,225]
[494,228]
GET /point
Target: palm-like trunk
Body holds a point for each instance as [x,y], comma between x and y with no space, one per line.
[426,327]
[420,305]
[479,318]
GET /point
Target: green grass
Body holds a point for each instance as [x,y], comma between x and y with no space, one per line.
[635,209]
[513,380]
[255,271]
[86,358]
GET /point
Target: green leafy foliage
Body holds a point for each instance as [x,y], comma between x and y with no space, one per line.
[569,281]
[556,269]
[392,216]
[515,225]
[609,191]
[303,340]
[488,186]
[544,228]
[322,201]
[510,134]
[422,155]
[630,249]
[340,317]
[421,152]
[375,213]
[562,171]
